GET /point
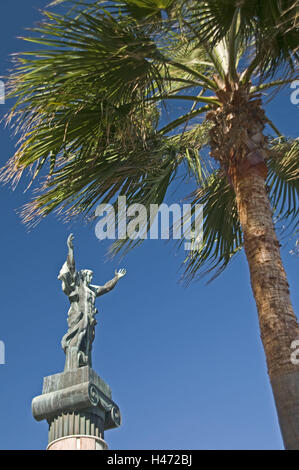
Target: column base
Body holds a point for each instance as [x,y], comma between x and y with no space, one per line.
[78,442]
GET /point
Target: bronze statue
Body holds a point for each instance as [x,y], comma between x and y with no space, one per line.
[77,342]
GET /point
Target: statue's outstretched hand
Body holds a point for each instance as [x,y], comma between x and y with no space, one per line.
[120,273]
[70,241]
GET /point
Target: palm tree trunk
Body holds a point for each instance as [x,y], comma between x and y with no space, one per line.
[278,324]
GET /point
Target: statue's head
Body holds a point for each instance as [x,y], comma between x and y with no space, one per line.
[87,275]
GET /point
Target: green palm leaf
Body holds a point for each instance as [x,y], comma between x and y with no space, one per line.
[222,234]
[283,180]
[89,88]
[269,27]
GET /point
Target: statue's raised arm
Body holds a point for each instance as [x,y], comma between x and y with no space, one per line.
[70,257]
[110,284]
[68,271]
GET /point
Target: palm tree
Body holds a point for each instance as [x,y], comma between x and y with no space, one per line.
[90,109]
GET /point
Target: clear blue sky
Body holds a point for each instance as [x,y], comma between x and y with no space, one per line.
[186,365]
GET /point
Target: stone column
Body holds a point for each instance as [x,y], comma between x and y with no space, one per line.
[78,407]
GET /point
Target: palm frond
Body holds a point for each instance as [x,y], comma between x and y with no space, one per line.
[222,234]
[269,28]
[87,87]
[180,149]
[78,184]
[283,180]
